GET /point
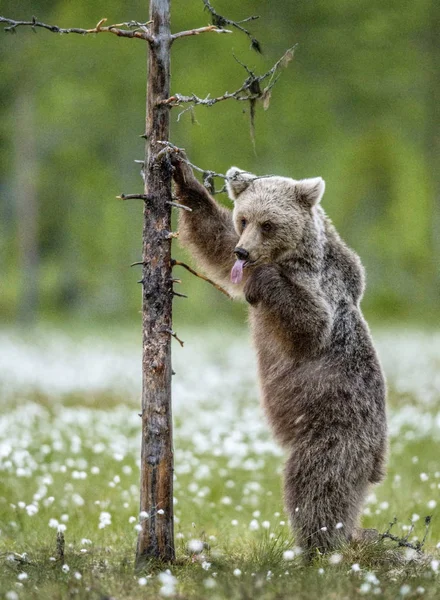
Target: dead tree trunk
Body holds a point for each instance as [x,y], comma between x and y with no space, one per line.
[156,538]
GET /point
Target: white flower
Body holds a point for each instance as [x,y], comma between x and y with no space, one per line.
[321,571]
[424,476]
[206,565]
[414,518]
[432,504]
[226,500]
[31,509]
[168,583]
[339,525]
[78,500]
[265,525]
[234,522]
[77,575]
[11,595]
[142,515]
[209,583]
[405,590]
[324,528]
[335,559]
[85,541]
[371,578]
[61,527]
[236,572]
[365,588]
[53,523]
[161,511]
[22,576]
[435,565]
[356,568]
[195,546]
[105,519]
[254,525]
[142,581]
[65,568]
[132,519]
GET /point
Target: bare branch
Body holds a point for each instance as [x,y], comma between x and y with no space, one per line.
[174,335]
[207,29]
[403,541]
[250,90]
[208,175]
[221,21]
[133,197]
[178,205]
[132,29]
[188,268]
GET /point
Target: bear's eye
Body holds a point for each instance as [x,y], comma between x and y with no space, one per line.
[243,223]
[267,227]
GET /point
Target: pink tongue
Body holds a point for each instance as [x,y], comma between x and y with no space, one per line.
[237,271]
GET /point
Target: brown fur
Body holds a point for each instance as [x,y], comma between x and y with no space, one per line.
[322,385]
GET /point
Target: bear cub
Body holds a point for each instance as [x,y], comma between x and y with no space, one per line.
[321,382]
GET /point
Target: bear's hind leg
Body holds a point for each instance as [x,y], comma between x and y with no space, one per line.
[323,497]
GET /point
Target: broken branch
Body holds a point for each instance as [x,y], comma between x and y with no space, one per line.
[207,29]
[177,205]
[208,175]
[250,90]
[221,21]
[133,29]
[133,197]
[188,268]
[174,335]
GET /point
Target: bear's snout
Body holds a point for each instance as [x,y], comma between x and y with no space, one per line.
[241,253]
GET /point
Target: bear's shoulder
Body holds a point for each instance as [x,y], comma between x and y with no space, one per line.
[341,266]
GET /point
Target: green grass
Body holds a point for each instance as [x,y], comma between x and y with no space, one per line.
[55,437]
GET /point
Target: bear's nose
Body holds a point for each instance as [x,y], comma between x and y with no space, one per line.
[241,253]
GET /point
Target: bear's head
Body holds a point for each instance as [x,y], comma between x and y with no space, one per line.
[271,213]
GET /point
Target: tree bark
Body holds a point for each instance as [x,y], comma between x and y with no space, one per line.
[156,537]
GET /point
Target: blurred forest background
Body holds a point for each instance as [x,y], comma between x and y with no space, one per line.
[359,106]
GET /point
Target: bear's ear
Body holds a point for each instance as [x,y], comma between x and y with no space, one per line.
[310,191]
[237,181]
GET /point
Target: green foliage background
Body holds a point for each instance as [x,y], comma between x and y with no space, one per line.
[358,106]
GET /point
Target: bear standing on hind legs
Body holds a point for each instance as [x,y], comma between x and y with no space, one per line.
[321,382]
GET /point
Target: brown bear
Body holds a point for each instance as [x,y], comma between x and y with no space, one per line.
[321,381]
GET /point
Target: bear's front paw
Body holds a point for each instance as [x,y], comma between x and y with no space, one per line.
[259,282]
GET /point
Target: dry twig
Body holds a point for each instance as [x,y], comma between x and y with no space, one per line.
[207,29]
[221,21]
[188,268]
[403,541]
[250,90]
[133,29]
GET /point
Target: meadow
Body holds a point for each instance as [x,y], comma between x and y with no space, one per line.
[69,450]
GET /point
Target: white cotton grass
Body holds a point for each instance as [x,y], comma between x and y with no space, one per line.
[105,519]
[195,546]
[168,584]
[335,559]
[66,452]
[291,554]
